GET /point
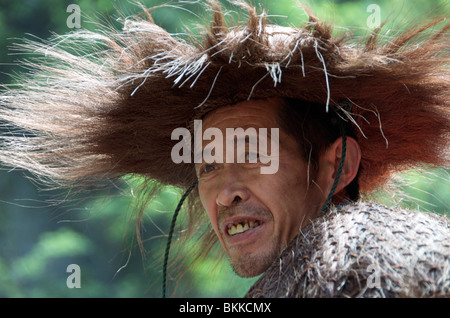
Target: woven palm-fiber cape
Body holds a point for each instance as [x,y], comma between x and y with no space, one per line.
[99,105]
[363,250]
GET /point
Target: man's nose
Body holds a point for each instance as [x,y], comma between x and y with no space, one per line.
[232,189]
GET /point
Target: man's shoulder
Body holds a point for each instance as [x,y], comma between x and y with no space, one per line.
[376,210]
[368,223]
[367,250]
[364,226]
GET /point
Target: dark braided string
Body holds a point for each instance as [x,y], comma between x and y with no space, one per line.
[169,240]
[341,166]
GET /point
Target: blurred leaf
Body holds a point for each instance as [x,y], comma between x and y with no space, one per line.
[61,243]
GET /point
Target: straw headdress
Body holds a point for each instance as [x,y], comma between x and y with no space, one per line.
[104,104]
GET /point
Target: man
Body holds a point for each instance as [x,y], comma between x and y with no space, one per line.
[280,203]
[342,119]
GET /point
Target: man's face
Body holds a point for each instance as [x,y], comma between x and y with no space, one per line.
[255,215]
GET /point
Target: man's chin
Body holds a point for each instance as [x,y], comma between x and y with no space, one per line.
[246,273]
[250,266]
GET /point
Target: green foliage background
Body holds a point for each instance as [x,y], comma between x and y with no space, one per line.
[40,238]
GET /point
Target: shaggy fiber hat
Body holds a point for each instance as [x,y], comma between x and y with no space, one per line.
[104,104]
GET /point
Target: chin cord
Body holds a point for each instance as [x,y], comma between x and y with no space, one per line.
[169,240]
[341,166]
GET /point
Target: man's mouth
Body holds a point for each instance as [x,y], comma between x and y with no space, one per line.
[242,226]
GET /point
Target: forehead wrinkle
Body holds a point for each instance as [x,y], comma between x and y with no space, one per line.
[250,114]
[256,112]
[239,120]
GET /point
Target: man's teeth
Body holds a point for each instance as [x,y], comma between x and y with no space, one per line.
[242,227]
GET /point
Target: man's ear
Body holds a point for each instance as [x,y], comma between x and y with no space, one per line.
[329,164]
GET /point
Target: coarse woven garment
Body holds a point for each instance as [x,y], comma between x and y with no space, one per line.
[363,250]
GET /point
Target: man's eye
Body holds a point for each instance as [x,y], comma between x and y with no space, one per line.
[207,168]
